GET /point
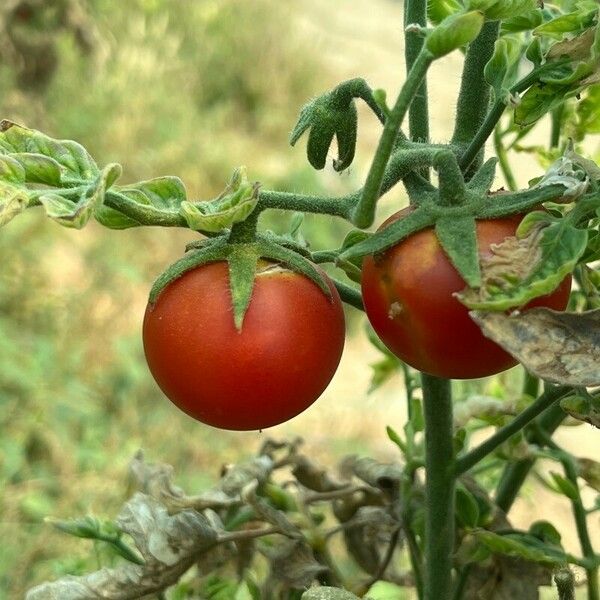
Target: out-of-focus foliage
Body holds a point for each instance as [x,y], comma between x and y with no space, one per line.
[184,88]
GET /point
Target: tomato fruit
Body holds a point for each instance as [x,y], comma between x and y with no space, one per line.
[408,296]
[280,362]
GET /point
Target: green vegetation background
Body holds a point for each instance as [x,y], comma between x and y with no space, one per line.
[192,89]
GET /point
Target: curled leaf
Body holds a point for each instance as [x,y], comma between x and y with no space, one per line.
[583,408]
[556,346]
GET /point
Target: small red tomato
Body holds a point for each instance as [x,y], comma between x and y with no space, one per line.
[408,296]
[280,362]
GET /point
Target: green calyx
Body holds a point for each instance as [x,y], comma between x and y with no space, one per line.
[452,211]
[243,260]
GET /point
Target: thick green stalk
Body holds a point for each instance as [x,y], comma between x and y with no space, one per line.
[364,214]
[515,474]
[439,488]
[474,96]
[546,400]
[415,11]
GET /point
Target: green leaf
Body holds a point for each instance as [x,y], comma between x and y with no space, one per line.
[584,408]
[546,532]
[438,10]
[522,546]
[467,507]
[384,590]
[74,160]
[458,237]
[501,70]
[524,22]
[11,170]
[453,32]
[165,193]
[234,205]
[417,419]
[38,168]
[483,179]
[77,214]
[113,219]
[496,10]
[538,263]
[569,23]
[564,486]
[538,100]
[394,437]
[382,371]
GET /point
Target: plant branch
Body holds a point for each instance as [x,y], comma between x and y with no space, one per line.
[415,11]
[505,167]
[546,400]
[365,210]
[439,488]
[474,96]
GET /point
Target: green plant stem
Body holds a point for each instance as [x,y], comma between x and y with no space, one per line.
[495,113]
[546,400]
[531,385]
[474,96]
[515,474]
[365,211]
[414,554]
[415,11]
[461,582]
[349,294]
[557,117]
[579,513]
[502,155]
[439,488]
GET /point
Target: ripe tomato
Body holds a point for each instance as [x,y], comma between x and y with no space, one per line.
[280,362]
[407,292]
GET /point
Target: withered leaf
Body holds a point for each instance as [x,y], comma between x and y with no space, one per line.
[583,408]
[293,564]
[560,347]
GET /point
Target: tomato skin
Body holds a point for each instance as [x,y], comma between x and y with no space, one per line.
[280,362]
[407,292]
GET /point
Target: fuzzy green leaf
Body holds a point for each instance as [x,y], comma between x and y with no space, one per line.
[113,219]
[539,100]
[483,179]
[458,238]
[38,168]
[166,193]
[539,262]
[501,70]
[438,10]
[568,23]
[496,10]
[242,262]
[454,32]
[74,160]
[76,214]
[467,508]
[234,205]
[524,22]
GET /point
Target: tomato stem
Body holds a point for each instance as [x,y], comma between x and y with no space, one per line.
[415,11]
[474,92]
[439,487]
[546,400]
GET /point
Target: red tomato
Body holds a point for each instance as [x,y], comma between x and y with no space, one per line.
[274,368]
[407,292]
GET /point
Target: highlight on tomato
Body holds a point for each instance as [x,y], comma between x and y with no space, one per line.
[408,297]
[275,367]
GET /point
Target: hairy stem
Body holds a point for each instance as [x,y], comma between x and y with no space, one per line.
[415,11]
[515,474]
[439,488]
[365,210]
[474,96]
[546,400]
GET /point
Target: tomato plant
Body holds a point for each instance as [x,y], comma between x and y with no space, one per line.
[275,367]
[409,299]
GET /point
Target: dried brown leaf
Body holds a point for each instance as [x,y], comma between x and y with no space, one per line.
[559,347]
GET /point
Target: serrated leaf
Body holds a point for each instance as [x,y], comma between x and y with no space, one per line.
[556,346]
[74,160]
[519,270]
[77,214]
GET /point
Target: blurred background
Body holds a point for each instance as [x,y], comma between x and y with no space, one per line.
[191,89]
